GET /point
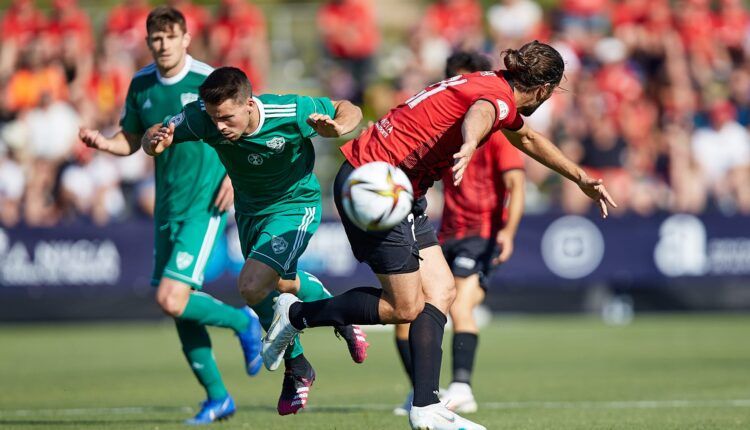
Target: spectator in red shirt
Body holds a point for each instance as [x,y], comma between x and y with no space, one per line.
[125,22]
[19,25]
[459,22]
[238,38]
[350,37]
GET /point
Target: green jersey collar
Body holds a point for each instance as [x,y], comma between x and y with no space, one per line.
[178,77]
[262,112]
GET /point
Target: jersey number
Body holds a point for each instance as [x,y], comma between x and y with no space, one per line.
[434,89]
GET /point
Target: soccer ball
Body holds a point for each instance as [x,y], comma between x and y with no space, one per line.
[377,196]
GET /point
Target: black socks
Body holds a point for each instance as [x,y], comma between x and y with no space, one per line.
[464,351]
[425,339]
[356,306]
[405,353]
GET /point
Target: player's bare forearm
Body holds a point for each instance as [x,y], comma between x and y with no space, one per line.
[121,143]
[514,181]
[478,121]
[542,150]
[348,116]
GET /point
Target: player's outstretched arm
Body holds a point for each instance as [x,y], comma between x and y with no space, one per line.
[157,139]
[542,150]
[122,143]
[477,123]
[347,117]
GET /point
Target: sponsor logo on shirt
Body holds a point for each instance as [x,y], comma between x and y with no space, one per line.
[277,144]
[225,142]
[502,110]
[177,119]
[384,127]
[278,244]
[186,98]
[183,260]
[255,159]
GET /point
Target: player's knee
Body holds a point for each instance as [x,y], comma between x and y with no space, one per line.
[252,288]
[171,301]
[408,312]
[443,296]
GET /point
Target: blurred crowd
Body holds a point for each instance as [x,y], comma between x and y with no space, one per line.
[655,100]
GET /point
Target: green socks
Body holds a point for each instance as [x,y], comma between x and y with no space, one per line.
[310,288]
[196,345]
[206,310]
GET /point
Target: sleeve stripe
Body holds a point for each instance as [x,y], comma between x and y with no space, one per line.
[151,68]
[280,115]
[285,106]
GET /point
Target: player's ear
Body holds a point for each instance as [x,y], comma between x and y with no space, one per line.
[186,38]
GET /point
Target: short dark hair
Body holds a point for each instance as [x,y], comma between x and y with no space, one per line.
[465,60]
[225,83]
[534,65]
[163,18]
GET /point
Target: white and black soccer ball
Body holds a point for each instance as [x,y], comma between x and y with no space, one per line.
[377,196]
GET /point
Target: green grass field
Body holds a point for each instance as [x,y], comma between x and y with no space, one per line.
[661,373]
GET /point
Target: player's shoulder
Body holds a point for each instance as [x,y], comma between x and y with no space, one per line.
[144,78]
[200,68]
[278,101]
[279,106]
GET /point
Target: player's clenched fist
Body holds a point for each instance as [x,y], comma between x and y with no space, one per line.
[91,138]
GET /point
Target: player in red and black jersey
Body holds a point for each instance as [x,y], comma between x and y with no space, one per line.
[478,226]
[437,129]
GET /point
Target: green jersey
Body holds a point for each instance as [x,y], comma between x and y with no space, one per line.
[272,167]
[187,175]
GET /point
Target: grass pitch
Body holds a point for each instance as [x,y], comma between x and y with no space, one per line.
[662,373]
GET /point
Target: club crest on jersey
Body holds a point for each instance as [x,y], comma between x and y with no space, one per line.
[278,244]
[186,98]
[255,159]
[277,144]
[147,104]
[177,119]
[183,260]
[502,110]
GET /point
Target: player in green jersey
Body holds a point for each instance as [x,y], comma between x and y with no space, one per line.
[264,143]
[192,196]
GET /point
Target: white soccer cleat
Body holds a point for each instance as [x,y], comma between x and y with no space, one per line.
[280,334]
[438,417]
[459,398]
[404,409]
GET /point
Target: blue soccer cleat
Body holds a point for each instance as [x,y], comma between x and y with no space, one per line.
[213,410]
[250,341]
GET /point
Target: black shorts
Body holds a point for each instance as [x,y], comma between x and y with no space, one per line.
[392,251]
[471,255]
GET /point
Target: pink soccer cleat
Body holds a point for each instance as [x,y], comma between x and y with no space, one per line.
[294,391]
[356,341]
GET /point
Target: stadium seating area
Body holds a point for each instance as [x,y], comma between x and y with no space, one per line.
[656,98]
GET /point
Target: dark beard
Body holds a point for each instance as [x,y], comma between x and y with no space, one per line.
[528,110]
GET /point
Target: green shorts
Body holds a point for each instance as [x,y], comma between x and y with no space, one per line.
[182,248]
[279,239]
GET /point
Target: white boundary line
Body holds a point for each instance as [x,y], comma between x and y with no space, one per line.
[623,404]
